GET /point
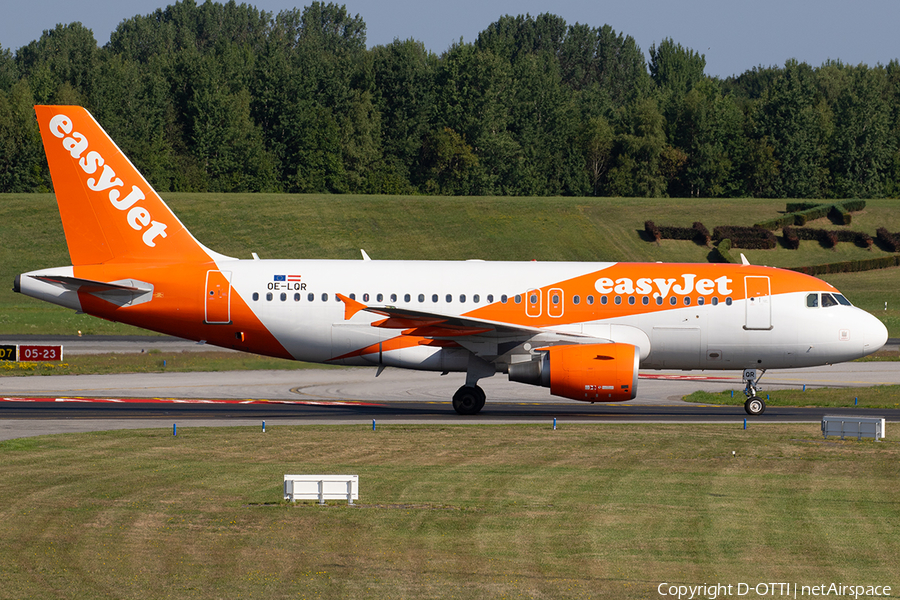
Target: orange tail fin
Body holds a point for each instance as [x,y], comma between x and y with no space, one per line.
[109,211]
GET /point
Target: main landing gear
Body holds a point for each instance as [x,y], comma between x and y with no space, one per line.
[754,405]
[468,400]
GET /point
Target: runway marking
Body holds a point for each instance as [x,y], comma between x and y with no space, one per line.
[190,401]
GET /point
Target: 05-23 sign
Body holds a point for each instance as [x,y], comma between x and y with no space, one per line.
[40,353]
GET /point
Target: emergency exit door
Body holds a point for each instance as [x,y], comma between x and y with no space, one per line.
[758,303]
[218,297]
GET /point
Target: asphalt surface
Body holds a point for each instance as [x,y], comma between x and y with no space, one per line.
[40,405]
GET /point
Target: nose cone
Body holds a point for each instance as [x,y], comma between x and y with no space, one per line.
[875,336]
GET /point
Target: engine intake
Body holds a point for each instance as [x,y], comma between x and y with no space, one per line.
[586,372]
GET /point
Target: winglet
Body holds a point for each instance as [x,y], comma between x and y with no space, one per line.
[351,307]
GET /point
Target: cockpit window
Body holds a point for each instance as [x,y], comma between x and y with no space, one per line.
[812,300]
[828,300]
[842,300]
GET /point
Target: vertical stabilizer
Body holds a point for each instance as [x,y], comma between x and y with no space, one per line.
[109,211]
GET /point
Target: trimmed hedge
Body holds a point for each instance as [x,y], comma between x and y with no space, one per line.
[851,266]
[777,223]
[752,238]
[854,205]
[811,214]
[793,207]
[697,232]
[827,237]
[841,214]
[722,252]
[798,213]
[889,240]
[791,239]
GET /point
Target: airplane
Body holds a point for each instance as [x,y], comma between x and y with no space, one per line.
[581,329]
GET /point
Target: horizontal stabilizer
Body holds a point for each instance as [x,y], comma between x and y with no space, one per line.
[91,286]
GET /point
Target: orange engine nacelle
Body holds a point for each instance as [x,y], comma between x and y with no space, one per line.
[586,372]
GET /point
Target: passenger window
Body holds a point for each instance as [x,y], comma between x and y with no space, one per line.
[393,297]
[576,299]
[407,298]
[490,298]
[379,298]
[421,297]
[476,298]
[504,299]
[687,300]
[353,296]
[812,300]
[365,297]
[659,300]
[631,300]
[673,300]
[700,301]
[297,297]
[618,299]
[728,301]
[255,296]
[311,297]
[590,299]
[324,297]
[645,300]
[603,300]
[518,299]
[283,296]
[434,298]
[555,298]
[462,298]
[449,298]
[269,297]
[715,301]
[532,298]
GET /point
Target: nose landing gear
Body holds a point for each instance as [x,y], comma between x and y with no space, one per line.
[754,405]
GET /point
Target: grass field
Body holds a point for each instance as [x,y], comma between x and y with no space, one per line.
[879,396]
[336,227]
[155,362]
[586,511]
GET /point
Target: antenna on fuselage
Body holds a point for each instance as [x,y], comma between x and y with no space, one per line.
[744,260]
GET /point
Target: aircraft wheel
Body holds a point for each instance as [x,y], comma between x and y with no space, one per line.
[468,400]
[755,406]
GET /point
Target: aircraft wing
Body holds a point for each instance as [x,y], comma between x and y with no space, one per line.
[436,325]
[490,340]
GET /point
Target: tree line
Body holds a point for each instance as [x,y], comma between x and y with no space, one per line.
[227,98]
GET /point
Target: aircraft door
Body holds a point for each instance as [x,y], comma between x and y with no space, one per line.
[218,297]
[758,303]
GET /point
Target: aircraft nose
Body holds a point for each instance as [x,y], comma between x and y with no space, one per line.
[876,334]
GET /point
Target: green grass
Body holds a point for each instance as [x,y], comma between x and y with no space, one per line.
[155,362]
[430,228]
[587,511]
[879,396]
